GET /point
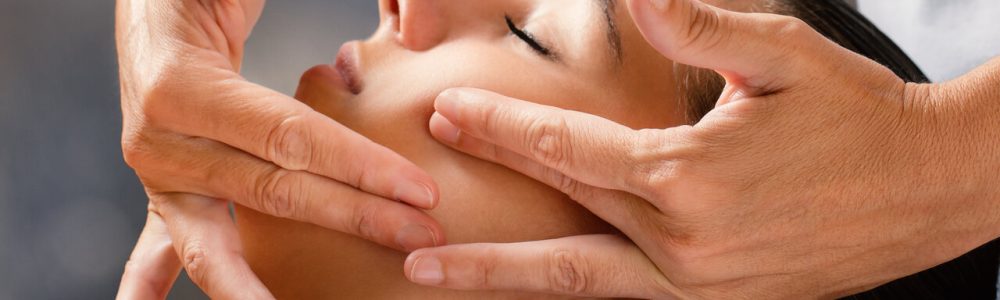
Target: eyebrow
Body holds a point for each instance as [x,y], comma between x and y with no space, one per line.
[614,36]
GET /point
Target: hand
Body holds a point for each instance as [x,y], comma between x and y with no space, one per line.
[196,132]
[819,174]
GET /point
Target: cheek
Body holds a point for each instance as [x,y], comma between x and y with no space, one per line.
[414,80]
[399,95]
[394,111]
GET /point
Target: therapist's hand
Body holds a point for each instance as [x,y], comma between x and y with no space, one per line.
[198,134]
[819,174]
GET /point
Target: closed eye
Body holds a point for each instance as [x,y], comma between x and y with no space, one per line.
[529,39]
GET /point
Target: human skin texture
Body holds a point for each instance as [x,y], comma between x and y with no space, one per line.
[417,52]
[819,174]
[701,220]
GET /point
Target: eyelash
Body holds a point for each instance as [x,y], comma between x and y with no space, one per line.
[528,38]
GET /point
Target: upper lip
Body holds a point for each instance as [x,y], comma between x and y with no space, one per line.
[347,65]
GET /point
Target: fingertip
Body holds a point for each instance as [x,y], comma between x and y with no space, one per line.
[425,269]
[415,236]
[444,130]
[416,193]
[434,191]
[451,102]
[411,231]
[446,103]
[649,16]
[414,257]
[412,185]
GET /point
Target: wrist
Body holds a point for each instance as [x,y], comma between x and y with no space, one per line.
[966,148]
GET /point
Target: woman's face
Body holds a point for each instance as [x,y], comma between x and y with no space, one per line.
[588,55]
[583,55]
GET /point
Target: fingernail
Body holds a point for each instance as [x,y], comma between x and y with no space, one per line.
[444,130]
[413,237]
[447,101]
[427,271]
[415,193]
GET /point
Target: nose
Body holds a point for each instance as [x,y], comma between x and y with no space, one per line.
[422,23]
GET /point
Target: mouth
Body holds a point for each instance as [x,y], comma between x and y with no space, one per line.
[346,65]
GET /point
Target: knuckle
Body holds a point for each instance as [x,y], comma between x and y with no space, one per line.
[155,96]
[569,186]
[659,178]
[802,48]
[703,30]
[132,266]
[136,150]
[791,27]
[691,266]
[566,184]
[795,32]
[277,192]
[655,167]
[287,143]
[549,141]
[568,272]
[485,265]
[491,119]
[364,220]
[194,258]
[159,96]
[360,173]
[156,201]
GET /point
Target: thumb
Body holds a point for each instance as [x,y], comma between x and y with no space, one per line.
[757,53]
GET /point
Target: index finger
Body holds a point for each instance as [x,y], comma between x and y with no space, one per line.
[207,243]
[288,133]
[588,266]
[153,265]
[588,148]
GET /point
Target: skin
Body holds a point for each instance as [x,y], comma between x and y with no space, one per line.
[700,219]
[819,174]
[418,52]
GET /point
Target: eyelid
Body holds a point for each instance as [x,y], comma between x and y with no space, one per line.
[529,39]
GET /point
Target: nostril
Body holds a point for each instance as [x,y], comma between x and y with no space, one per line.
[394,7]
[421,24]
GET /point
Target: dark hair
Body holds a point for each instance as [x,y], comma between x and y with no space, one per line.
[971,276]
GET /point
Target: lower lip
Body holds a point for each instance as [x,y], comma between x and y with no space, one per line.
[346,65]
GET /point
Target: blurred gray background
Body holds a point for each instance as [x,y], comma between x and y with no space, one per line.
[70,209]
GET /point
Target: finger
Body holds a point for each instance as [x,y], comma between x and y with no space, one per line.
[236,20]
[585,147]
[759,51]
[589,266]
[223,172]
[288,133]
[206,240]
[618,208]
[153,266]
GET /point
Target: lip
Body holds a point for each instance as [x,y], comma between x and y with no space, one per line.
[346,64]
